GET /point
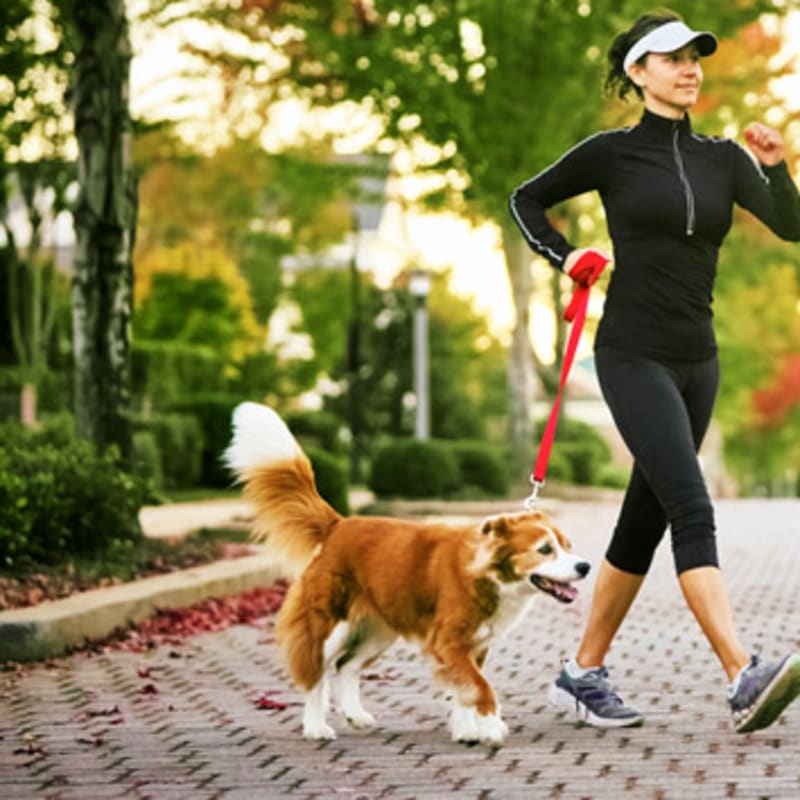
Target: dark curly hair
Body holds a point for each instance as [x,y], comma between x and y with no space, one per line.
[617,81]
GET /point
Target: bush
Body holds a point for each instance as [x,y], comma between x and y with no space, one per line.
[582,447]
[317,429]
[147,460]
[179,438]
[482,466]
[413,468]
[214,412]
[164,372]
[330,475]
[613,476]
[58,501]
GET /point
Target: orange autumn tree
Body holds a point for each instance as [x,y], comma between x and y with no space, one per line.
[758,282]
[776,402]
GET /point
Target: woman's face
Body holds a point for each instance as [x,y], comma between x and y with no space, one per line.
[670,81]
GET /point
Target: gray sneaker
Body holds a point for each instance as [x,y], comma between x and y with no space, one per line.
[591,699]
[764,691]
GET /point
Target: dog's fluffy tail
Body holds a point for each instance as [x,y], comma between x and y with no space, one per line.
[290,516]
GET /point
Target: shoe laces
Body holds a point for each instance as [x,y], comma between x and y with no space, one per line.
[599,688]
[750,674]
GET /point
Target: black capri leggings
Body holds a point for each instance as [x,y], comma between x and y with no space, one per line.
[662,411]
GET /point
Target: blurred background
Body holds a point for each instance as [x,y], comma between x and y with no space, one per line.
[305,204]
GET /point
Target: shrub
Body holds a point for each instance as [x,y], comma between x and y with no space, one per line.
[214,413]
[165,372]
[330,475]
[64,500]
[582,447]
[413,468]
[316,428]
[482,466]
[613,476]
[559,468]
[146,461]
[179,438]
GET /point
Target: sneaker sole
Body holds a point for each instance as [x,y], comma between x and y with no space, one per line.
[563,701]
[783,688]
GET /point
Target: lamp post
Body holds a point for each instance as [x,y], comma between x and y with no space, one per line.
[420,286]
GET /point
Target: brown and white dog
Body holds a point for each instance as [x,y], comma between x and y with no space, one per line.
[362,582]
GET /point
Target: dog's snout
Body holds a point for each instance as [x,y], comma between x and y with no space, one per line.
[582,568]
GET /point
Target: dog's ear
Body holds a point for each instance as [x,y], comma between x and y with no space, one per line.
[494,526]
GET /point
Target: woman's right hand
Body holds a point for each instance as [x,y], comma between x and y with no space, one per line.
[585,264]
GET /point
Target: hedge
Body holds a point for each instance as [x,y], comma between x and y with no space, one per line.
[180,443]
[580,454]
[330,475]
[60,498]
[214,413]
[414,468]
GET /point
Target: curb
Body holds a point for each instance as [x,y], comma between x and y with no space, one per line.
[52,628]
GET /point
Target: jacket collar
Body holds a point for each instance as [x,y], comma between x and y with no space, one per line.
[658,126]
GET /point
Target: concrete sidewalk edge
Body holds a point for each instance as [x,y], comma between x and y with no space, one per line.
[51,628]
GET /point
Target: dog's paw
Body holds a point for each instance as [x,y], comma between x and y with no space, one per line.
[491,729]
[470,727]
[359,718]
[464,724]
[318,731]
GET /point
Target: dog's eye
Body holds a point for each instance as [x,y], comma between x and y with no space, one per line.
[546,549]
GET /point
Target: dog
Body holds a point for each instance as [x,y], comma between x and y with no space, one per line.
[361,582]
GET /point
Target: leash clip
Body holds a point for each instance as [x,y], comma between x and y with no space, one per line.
[530,501]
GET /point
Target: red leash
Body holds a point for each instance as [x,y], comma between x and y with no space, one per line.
[588,267]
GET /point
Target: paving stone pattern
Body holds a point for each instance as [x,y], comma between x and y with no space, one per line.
[183,722]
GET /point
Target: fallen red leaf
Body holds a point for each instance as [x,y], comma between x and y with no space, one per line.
[266,702]
[170,626]
[149,688]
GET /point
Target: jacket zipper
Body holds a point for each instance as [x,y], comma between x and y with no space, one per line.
[687,187]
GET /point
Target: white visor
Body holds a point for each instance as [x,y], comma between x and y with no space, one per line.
[667,38]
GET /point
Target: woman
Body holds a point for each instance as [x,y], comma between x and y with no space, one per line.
[668,195]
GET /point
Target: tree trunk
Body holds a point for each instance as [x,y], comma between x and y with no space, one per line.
[523,382]
[105,222]
[27,405]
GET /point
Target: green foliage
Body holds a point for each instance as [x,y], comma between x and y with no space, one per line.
[264,375]
[330,475]
[146,462]
[179,443]
[214,413]
[164,371]
[481,466]
[412,468]
[758,329]
[192,310]
[33,69]
[612,476]
[466,72]
[580,454]
[59,497]
[316,428]
[467,366]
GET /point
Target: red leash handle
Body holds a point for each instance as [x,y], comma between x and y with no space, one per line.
[588,267]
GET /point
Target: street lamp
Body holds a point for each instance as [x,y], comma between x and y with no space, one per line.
[419,285]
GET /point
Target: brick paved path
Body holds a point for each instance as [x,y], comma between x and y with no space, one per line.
[94,726]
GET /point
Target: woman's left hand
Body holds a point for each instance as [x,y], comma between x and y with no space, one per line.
[765,143]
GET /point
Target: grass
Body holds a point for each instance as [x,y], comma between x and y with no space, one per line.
[201,493]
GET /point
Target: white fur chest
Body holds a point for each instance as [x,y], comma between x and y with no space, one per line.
[515,601]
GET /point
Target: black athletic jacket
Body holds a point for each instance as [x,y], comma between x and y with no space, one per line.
[668,195]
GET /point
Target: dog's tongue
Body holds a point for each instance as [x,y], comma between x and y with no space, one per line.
[565,592]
